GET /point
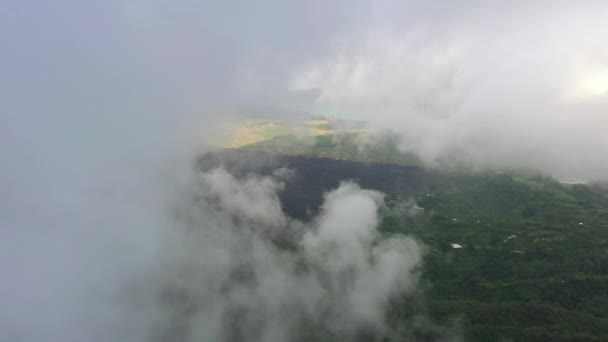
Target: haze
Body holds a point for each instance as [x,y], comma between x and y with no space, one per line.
[104,105]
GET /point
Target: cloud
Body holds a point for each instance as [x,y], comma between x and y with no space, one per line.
[105,105]
[224,275]
[103,108]
[515,90]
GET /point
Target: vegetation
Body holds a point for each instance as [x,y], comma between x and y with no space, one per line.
[356,146]
[321,137]
[509,256]
[534,258]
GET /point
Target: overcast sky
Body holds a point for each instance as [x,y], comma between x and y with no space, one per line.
[519,83]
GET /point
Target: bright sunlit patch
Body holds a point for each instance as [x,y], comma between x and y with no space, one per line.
[596,83]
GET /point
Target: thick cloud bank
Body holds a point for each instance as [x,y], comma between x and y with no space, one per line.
[504,84]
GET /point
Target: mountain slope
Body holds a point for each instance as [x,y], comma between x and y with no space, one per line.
[532,256]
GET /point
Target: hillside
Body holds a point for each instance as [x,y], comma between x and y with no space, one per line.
[523,258]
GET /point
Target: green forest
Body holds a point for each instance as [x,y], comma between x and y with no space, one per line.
[508,256]
[531,256]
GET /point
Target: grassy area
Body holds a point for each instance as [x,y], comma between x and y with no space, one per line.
[251,131]
[337,139]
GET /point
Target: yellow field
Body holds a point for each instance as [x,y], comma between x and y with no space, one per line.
[253,130]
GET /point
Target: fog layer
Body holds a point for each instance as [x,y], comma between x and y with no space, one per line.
[104,105]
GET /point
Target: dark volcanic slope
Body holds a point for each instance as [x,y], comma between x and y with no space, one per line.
[313,176]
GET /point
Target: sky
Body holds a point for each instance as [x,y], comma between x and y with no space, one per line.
[518,84]
[104,104]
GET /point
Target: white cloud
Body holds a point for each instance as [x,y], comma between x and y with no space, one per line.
[523,89]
